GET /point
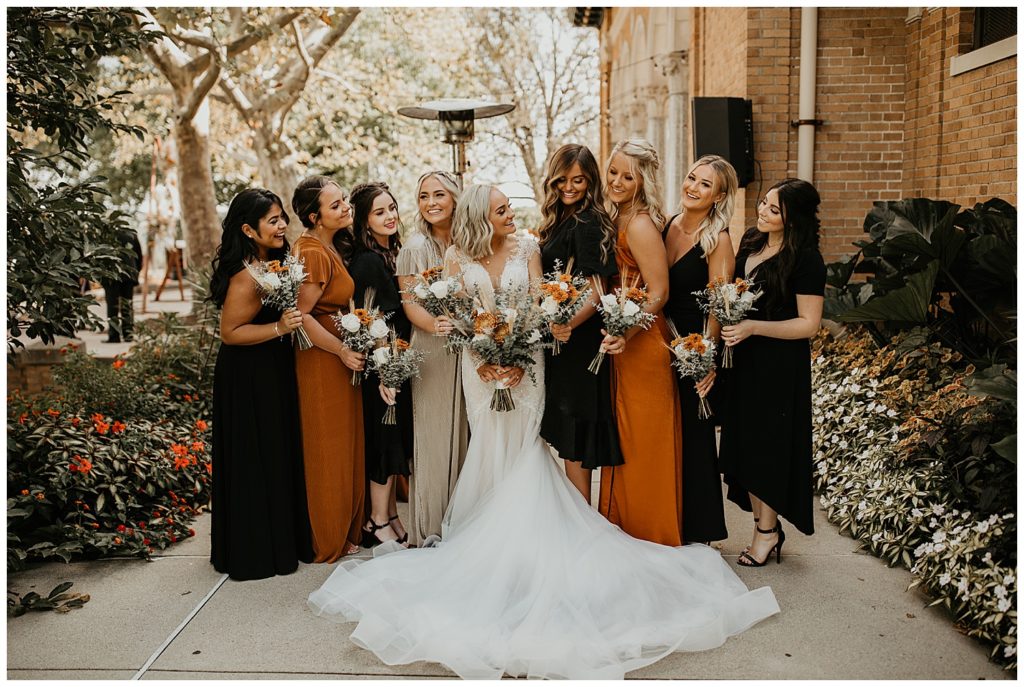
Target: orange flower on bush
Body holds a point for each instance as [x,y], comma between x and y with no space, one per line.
[187,398]
[22,418]
[102,427]
[209,468]
[117,364]
[96,417]
[52,413]
[75,421]
[179,450]
[24,492]
[118,427]
[181,463]
[198,446]
[80,464]
[556,294]
[201,425]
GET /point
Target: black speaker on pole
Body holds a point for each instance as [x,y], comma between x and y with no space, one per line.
[725,126]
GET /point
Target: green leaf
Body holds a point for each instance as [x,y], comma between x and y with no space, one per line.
[908,304]
[60,589]
[1007,448]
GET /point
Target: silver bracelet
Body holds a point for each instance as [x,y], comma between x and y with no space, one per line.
[275,330]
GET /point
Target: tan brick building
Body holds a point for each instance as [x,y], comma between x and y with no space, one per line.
[914,101]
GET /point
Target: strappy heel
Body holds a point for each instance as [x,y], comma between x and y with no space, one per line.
[370,538]
[405,537]
[748,561]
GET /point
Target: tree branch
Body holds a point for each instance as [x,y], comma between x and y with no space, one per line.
[242,43]
[200,91]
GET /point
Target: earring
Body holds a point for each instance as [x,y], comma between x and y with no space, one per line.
[714,206]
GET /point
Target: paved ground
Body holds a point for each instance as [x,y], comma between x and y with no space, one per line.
[845,615]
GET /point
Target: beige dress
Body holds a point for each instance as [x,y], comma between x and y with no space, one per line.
[441,431]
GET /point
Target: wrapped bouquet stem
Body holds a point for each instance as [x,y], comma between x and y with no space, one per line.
[279,283]
[622,310]
[729,302]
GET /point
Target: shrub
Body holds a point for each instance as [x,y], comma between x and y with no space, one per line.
[98,485]
[907,463]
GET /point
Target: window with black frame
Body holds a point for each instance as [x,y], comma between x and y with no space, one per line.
[993,24]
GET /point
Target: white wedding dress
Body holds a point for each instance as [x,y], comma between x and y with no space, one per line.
[528,579]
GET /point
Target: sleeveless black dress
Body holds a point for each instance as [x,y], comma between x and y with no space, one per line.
[388,448]
[766,425]
[703,510]
[260,520]
[579,411]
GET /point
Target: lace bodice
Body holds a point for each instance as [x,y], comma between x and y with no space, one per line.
[529,395]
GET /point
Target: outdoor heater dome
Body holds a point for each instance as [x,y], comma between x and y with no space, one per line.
[456,116]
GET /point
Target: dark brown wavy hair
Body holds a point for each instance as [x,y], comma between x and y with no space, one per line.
[362,199]
[554,211]
[306,202]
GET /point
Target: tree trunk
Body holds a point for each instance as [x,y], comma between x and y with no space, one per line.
[196,190]
[277,171]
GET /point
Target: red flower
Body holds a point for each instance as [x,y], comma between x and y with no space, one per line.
[22,418]
[188,398]
[121,528]
[209,468]
[173,539]
[117,364]
[191,532]
[145,542]
[101,427]
[179,450]
[52,413]
[198,446]
[118,427]
[95,525]
[142,525]
[201,425]
[24,492]
[75,421]
[96,417]
[181,463]
[80,464]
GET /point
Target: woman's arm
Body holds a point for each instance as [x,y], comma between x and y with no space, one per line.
[804,326]
[721,263]
[417,314]
[649,252]
[241,305]
[309,294]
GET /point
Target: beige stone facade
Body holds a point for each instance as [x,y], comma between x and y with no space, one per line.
[909,107]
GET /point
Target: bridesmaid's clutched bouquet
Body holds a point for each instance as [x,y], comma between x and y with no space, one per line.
[562,296]
[621,311]
[361,329]
[506,332]
[694,358]
[438,293]
[729,302]
[278,283]
[395,362]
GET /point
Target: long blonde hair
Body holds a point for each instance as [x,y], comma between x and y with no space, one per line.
[720,214]
[449,184]
[644,163]
[471,229]
[553,212]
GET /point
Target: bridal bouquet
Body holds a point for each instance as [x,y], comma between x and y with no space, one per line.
[506,332]
[361,329]
[436,293]
[563,296]
[621,311]
[278,283]
[395,362]
[729,302]
[694,358]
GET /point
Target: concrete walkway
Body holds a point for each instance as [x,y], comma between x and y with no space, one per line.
[844,616]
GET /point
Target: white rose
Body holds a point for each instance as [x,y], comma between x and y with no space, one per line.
[378,329]
[730,291]
[563,286]
[630,308]
[747,297]
[608,300]
[272,281]
[439,288]
[350,322]
[534,337]
[549,306]
[297,272]
[381,355]
[421,291]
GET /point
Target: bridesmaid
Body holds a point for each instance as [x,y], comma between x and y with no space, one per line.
[699,249]
[579,418]
[330,407]
[644,496]
[388,447]
[766,428]
[260,524]
[439,412]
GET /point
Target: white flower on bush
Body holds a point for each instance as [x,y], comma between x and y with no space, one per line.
[1009,651]
[938,509]
[876,537]
[350,322]
[439,288]
[1000,591]
[944,579]
[378,329]
[982,527]
[1009,579]
[381,355]
[549,306]
[421,291]
[961,586]
[608,300]
[916,513]
[939,536]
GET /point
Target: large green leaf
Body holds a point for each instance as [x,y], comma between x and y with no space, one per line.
[920,226]
[1007,448]
[906,304]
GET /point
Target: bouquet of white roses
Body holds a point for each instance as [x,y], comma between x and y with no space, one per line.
[562,297]
[361,328]
[729,302]
[395,362]
[437,293]
[621,311]
[505,332]
[694,358]
[278,283]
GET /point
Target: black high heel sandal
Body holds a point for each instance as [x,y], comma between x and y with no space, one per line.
[370,538]
[405,537]
[748,561]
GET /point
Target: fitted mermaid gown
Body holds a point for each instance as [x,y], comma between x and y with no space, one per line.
[528,579]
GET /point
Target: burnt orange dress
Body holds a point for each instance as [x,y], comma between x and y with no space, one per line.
[645,495]
[331,412]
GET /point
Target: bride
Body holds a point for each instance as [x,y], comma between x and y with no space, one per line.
[528,579]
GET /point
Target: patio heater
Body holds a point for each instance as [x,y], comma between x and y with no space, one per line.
[456,116]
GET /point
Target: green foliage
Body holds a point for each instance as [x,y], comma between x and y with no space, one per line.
[59,228]
[905,462]
[59,599]
[928,264]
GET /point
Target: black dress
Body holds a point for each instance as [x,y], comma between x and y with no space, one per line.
[579,409]
[703,510]
[260,520]
[388,447]
[766,428]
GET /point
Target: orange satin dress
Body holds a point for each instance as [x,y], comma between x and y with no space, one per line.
[331,412]
[645,496]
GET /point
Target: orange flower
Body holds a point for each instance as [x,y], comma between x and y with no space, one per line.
[52,413]
[40,496]
[276,266]
[118,427]
[179,450]
[75,421]
[555,292]
[636,295]
[209,468]
[117,364]
[401,344]
[565,277]
[741,285]
[432,272]
[22,418]
[24,492]
[180,463]
[198,446]
[96,417]
[484,321]
[695,342]
[80,464]
[102,427]
[201,425]
[187,398]
[117,540]
[676,341]
[363,315]
[500,332]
